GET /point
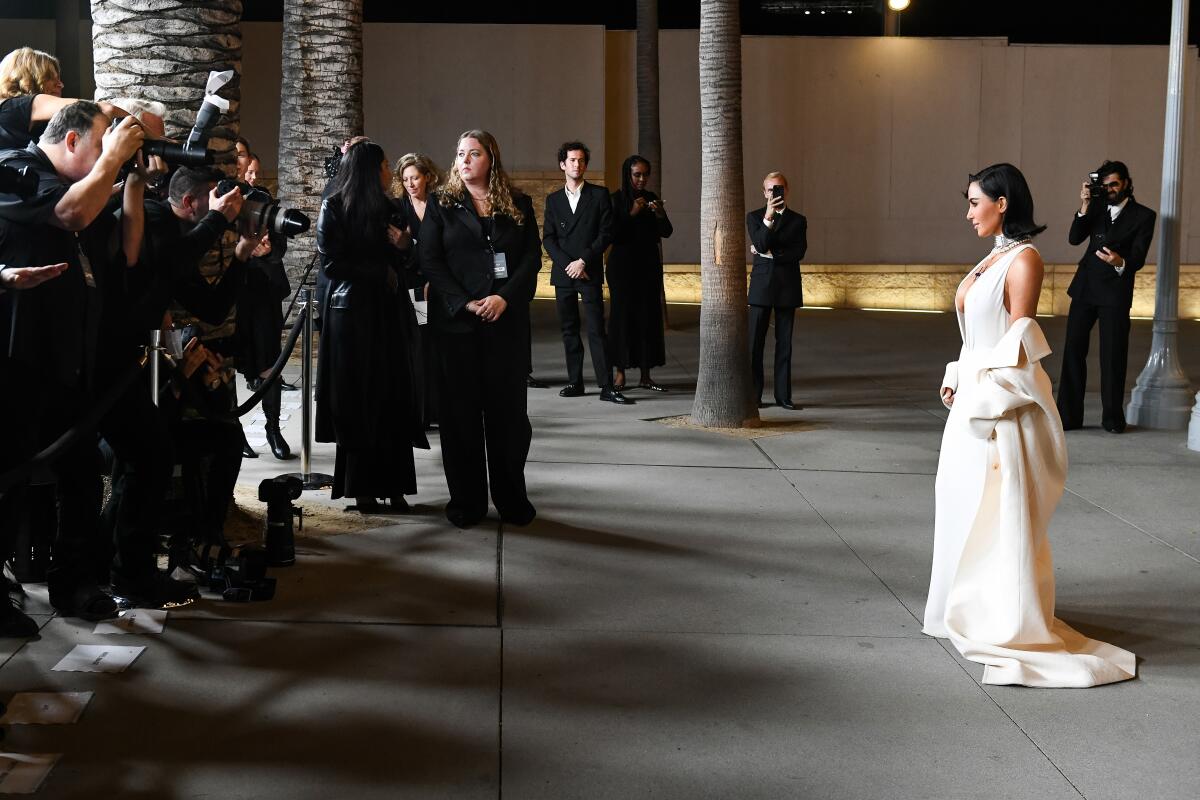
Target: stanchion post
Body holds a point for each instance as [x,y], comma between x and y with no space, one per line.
[312,480]
[156,349]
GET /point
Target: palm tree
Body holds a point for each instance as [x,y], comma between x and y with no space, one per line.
[649,144]
[723,391]
[320,103]
[164,52]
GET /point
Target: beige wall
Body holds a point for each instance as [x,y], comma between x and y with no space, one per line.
[877,135]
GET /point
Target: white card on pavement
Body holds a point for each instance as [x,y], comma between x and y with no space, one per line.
[98,658]
[135,620]
[45,708]
[23,773]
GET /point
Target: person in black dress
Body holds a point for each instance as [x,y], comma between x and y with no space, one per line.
[635,277]
[368,386]
[417,178]
[481,253]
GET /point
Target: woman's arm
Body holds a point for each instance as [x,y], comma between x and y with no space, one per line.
[1023,285]
[46,106]
[434,263]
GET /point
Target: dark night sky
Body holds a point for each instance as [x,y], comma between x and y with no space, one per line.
[1035,21]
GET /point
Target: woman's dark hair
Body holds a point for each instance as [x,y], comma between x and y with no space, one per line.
[1005,180]
[627,173]
[365,205]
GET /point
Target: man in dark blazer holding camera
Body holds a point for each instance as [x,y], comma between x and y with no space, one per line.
[778,240]
[1118,230]
[577,229]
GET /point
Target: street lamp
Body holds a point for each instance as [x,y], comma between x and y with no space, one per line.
[891,16]
[898,5]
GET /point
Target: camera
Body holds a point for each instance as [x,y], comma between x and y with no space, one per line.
[333,162]
[279,539]
[22,182]
[261,212]
[194,151]
[1095,186]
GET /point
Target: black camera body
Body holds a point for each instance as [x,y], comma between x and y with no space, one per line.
[22,182]
[1095,186]
[238,574]
[333,162]
[261,212]
[279,537]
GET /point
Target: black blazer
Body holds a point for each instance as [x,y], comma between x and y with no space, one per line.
[1096,281]
[584,233]
[776,281]
[457,260]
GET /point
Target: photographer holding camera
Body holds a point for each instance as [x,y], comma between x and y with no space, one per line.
[48,333]
[1118,230]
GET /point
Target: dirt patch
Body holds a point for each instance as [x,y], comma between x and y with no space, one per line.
[246,518]
[764,428]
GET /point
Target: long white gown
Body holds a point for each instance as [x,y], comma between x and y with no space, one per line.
[1001,473]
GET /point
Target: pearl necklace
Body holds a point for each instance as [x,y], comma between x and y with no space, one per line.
[1003,245]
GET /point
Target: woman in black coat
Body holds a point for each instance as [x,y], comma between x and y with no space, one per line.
[368,383]
[635,277]
[481,253]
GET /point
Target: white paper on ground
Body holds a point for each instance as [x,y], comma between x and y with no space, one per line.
[45,708]
[23,773]
[98,658]
[135,620]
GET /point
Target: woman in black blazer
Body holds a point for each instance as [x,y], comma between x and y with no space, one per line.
[368,375]
[481,253]
[635,276]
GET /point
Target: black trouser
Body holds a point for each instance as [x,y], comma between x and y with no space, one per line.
[760,317]
[219,444]
[1114,358]
[137,432]
[484,427]
[568,316]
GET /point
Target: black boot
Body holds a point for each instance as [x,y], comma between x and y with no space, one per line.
[270,405]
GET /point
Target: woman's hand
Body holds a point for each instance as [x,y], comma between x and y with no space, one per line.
[639,205]
[489,308]
[29,277]
[400,239]
[947,395]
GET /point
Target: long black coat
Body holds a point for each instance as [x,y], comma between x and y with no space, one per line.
[775,281]
[635,284]
[368,377]
[1096,281]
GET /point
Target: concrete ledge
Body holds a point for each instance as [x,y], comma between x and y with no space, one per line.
[925,287]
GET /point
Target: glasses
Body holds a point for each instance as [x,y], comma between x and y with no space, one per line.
[1112,185]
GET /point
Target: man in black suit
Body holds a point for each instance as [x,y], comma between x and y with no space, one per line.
[778,239]
[1118,231]
[577,229]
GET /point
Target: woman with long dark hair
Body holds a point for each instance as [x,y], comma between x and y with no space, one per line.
[481,253]
[635,277]
[368,380]
[1003,467]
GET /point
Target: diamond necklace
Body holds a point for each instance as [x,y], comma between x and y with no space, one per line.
[1003,245]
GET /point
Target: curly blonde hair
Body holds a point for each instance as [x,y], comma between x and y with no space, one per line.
[424,165]
[500,189]
[27,71]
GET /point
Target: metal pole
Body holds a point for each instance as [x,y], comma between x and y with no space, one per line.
[312,480]
[155,355]
[1162,397]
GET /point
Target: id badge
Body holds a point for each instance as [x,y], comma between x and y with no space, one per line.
[499,265]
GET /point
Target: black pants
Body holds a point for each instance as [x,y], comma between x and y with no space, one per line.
[759,321]
[137,432]
[568,317]
[215,446]
[484,426]
[1114,358]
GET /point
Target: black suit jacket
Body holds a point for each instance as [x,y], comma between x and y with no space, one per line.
[776,281]
[585,233]
[1095,280]
[458,263]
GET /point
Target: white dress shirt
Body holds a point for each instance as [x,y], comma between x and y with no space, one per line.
[573,197]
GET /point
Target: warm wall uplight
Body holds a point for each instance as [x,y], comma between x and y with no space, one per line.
[898,5]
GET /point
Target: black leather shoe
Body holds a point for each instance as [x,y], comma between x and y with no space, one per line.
[14,623]
[534,383]
[288,387]
[1114,427]
[154,591]
[652,386]
[85,601]
[522,516]
[279,447]
[787,405]
[572,390]
[253,384]
[613,396]
[247,452]
[462,519]
[761,404]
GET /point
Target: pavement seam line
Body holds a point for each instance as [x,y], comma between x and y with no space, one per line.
[1134,525]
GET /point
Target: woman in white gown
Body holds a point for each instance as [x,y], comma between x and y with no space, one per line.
[1003,467]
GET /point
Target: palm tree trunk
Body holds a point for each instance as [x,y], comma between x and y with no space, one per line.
[320,103]
[164,51]
[723,392]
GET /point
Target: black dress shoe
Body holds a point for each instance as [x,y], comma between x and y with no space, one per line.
[522,516]
[367,505]
[1114,427]
[787,405]
[534,383]
[761,404]
[652,386]
[571,390]
[247,452]
[613,396]
[253,384]
[463,519]
[288,387]
[279,447]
